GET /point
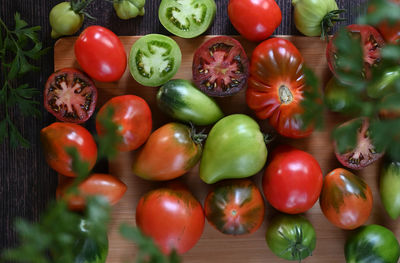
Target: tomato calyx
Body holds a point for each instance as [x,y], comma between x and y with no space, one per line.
[328,21]
[197,137]
[79,6]
[296,246]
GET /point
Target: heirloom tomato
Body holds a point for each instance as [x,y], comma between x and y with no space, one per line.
[101,54]
[291,237]
[292,181]
[235,148]
[65,19]
[276,86]
[235,207]
[171,151]
[127,9]
[389,189]
[254,20]
[372,244]
[172,217]
[346,200]
[105,185]
[60,135]
[132,115]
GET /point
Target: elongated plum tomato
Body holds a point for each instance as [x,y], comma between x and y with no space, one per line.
[70,95]
[101,54]
[104,185]
[171,151]
[292,181]
[59,135]
[132,115]
[172,217]
[276,86]
[346,200]
[255,20]
[235,207]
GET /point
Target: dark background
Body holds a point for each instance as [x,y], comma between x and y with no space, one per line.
[26,182]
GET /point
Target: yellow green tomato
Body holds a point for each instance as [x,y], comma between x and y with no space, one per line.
[235,148]
[64,20]
[127,9]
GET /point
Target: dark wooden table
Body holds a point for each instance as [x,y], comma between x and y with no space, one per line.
[27,184]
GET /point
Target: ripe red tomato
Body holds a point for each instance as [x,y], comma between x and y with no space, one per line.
[133,116]
[105,185]
[170,152]
[276,86]
[292,181]
[255,20]
[172,217]
[59,135]
[101,54]
[346,200]
[235,207]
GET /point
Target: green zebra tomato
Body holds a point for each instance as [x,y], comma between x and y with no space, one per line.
[127,9]
[183,101]
[389,189]
[235,148]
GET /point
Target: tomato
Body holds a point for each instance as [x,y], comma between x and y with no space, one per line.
[371,42]
[127,9]
[315,17]
[186,18]
[70,95]
[171,151]
[276,86]
[154,59]
[235,207]
[181,100]
[389,189]
[337,96]
[132,115]
[291,237]
[254,20]
[385,83]
[292,181]
[101,54]
[235,148]
[172,217]
[105,185]
[390,31]
[346,200]
[59,135]
[372,243]
[65,19]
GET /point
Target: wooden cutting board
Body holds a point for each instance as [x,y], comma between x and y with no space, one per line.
[214,246]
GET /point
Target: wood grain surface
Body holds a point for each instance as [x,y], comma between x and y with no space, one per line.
[214,246]
[27,184]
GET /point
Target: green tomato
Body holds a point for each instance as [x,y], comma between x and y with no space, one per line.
[127,9]
[389,189]
[372,244]
[291,237]
[385,83]
[235,148]
[183,101]
[310,16]
[64,20]
[337,96]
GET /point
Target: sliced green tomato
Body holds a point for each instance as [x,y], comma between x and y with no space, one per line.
[154,59]
[187,18]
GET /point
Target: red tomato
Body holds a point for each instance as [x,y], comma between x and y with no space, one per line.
[292,181]
[235,207]
[133,116]
[101,54]
[255,20]
[59,135]
[276,86]
[346,200]
[172,217]
[169,152]
[105,185]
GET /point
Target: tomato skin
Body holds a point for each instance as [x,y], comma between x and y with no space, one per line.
[64,20]
[292,181]
[59,135]
[346,200]
[101,54]
[254,20]
[235,207]
[389,189]
[172,217]
[276,86]
[105,185]
[169,152]
[133,116]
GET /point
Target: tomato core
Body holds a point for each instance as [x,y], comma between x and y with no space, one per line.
[285,95]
